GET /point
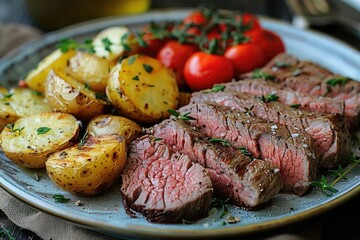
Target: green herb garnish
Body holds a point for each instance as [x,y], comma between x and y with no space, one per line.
[244,151]
[219,203]
[136,78]
[337,81]
[297,105]
[60,198]
[157,139]
[36,93]
[82,141]
[184,117]
[12,129]
[107,44]
[326,188]
[222,141]
[42,130]
[148,68]
[69,44]
[131,60]
[269,98]
[260,74]
[217,88]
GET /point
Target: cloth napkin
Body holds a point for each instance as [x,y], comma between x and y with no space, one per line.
[49,227]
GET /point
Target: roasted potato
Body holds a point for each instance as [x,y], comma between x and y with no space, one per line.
[89,69]
[68,95]
[30,140]
[142,89]
[89,169]
[56,60]
[20,102]
[109,124]
[109,43]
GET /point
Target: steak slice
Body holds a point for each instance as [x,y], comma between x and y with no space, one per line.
[309,78]
[294,156]
[260,87]
[164,186]
[247,183]
[331,139]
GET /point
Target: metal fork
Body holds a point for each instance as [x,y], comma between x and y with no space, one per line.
[325,12]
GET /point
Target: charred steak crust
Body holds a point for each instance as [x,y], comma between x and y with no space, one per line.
[330,137]
[290,149]
[309,78]
[247,183]
[162,185]
[260,87]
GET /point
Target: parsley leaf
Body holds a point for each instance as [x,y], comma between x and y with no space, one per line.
[42,130]
[260,74]
[147,68]
[60,198]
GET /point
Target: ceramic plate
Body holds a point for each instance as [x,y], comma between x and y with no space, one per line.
[106,214]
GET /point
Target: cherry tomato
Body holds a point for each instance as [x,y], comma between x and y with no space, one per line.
[153,45]
[203,70]
[245,57]
[174,55]
[270,43]
[196,18]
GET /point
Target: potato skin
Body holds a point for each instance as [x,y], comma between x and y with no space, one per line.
[56,60]
[67,95]
[142,89]
[90,169]
[25,146]
[109,124]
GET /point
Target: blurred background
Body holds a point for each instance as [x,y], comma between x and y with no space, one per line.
[21,17]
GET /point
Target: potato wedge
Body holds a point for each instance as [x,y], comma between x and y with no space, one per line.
[143,89]
[36,78]
[20,102]
[89,69]
[108,43]
[89,169]
[30,140]
[109,124]
[67,95]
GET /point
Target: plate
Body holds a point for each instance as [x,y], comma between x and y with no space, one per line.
[105,213]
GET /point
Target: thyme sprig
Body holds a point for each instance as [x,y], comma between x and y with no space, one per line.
[67,44]
[269,98]
[178,115]
[12,129]
[82,140]
[260,74]
[217,88]
[222,141]
[218,203]
[328,189]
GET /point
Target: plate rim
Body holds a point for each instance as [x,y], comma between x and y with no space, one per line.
[144,231]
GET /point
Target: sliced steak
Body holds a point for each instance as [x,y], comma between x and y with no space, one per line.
[294,156]
[247,183]
[260,87]
[309,78]
[164,186]
[327,131]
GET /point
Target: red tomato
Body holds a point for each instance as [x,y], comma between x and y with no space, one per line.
[174,55]
[196,18]
[270,43]
[248,18]
[245,57]
[153,45]
[203,70]
[22,84]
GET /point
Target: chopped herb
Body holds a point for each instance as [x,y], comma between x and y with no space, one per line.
[12,129]
[82,141]
[141,42]
[219,203]
[8,95]
[107,44]
[184,117]
[101,96]
[87,86]
[127,48]
[296,73]
[157,139]
[297,105]
[148,68]
[42,130]
[136,78]
[223,142]
[269,98]
[68,44]
[217,88]
[6,233]
[60,198]
[124,37]
[280,64]
[244,151]
[260,74]
[339,172]
[121,58]
[36,93]
[337,81]
[131,60]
